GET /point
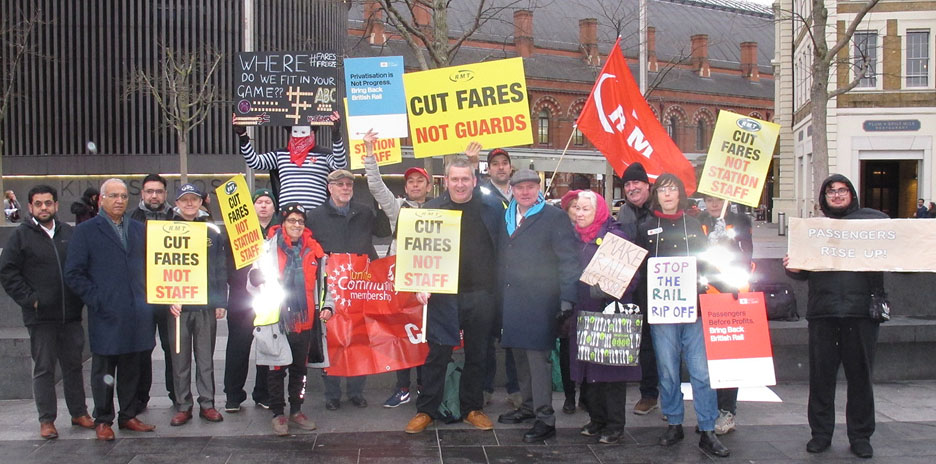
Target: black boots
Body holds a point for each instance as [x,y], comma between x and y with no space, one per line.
[710,444]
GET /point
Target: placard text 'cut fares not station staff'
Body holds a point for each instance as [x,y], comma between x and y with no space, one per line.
[485,102]
[428,243]
[176,262]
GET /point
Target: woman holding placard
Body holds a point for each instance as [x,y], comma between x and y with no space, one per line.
[669,232]
[606,391]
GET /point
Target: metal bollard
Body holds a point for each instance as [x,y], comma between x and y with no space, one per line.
[781,224]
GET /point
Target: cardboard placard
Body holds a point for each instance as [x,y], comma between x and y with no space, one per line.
[898,245]
[428,243]
[737,340]
[738,158]
[240,220]
[177,262]
[298,88]
[672,290]
[485,102]
[614,264]
[374,88]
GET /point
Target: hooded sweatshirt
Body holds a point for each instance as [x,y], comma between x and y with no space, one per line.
[841,293]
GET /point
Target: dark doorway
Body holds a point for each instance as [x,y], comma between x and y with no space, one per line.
[881,185]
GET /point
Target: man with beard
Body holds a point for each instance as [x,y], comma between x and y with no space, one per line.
[31,270]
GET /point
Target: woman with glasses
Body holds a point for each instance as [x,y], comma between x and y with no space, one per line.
[670,232]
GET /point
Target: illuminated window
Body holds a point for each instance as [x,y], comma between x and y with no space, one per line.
[543,127]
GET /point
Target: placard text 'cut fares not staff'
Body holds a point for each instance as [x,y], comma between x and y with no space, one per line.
[485,102]
[176,262]
[428,243]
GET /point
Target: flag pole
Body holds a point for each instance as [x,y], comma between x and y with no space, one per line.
[561,155]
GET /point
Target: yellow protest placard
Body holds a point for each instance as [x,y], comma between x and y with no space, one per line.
[176,262]
[427,250]
[240,219]
[738,158]
[486,102]
[387,151]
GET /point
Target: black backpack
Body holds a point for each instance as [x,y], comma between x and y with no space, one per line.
[780,301]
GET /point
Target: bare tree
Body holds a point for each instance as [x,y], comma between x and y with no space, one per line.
[184,91]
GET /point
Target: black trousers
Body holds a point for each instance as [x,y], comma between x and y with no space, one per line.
[568,385]
[607,404]
[146,361]
[237,360]
[727,399]
[849,342]
[123,372]
[403,378]
[299,346]
[62,343]
[649,376]
[476,315]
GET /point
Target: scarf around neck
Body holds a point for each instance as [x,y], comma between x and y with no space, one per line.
[299,148]
[511,214]
[296,307]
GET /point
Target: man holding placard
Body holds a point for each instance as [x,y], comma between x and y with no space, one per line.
[195,325]
[673,240]
[472,309]
[841,332]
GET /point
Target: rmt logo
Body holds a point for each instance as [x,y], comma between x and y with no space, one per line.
[462,75]
[749,124]
[230,187]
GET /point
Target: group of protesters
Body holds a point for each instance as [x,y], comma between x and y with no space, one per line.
[518,285]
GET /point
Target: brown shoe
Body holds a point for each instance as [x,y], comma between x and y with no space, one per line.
[280,426]
[479,420]
[84,421]
[104,432]
[645,405]
[134,425]
[181,418]
[47,430]
[302,421]
[210,415]
[418,423]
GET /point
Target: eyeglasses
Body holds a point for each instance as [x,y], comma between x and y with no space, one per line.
[114,196]
[295,222]
[153,192]
[668,188]
[40,204]
[343,184]
[837,192]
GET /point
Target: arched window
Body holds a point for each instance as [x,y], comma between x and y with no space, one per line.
[542,136]
[578,138]
[671,128]
[701,135]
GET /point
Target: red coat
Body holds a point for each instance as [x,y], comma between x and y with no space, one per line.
[311,254]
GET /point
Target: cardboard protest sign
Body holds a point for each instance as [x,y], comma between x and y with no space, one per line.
[486,102]
[375,328]
[428,243]
[240,220]
[738,158]
[176,262]
[374,88]
[285,88]
[386,151]
[737,340]
[672,290]
[613,265]
[899,245]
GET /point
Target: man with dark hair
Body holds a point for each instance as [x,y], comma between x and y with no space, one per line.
[106,267]
[153,206]
[31,270]
[841,332]
[921,211]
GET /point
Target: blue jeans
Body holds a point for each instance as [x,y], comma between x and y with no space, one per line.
[671,342]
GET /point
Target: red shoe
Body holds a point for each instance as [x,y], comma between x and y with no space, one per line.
[104,432]
[134,425]
[210,415]
[181,418]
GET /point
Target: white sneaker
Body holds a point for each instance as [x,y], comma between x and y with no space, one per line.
[725,422]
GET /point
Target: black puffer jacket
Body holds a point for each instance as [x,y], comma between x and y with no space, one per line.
[31,269]
[841,293]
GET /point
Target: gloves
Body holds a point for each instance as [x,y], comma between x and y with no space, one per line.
[240,130]
[255,276]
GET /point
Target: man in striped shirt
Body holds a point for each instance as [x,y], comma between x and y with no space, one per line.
[302,169]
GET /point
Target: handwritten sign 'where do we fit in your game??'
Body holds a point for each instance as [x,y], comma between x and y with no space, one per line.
[285,88]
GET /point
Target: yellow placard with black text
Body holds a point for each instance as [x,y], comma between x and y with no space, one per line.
[240,220]
[428,243]
[177,262]
[484,102]
[738,158]
[386,150]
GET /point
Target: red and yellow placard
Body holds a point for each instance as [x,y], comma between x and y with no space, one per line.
[738,158]
[176,262]
[240,219]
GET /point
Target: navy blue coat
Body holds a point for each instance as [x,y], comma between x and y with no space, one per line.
[539,267]
[111,282]
[442,324]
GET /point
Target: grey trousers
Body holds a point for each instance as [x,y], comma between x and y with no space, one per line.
[62,343]
[197,330]
[355,386]
[534,372]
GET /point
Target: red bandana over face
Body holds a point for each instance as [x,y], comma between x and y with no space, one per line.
[299,148]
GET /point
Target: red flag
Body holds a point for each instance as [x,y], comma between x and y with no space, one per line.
[619,122]
[375,329]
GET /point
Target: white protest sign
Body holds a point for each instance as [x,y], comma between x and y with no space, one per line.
[672,290]
[613,265]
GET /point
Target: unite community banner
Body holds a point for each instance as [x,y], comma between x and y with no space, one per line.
[738,158]
[899,245]
[177,262]
[240,220]
[485,102]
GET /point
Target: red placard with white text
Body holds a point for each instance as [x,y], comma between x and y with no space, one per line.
[737,340]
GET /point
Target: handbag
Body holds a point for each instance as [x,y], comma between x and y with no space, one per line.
[612,337]
[879,309]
